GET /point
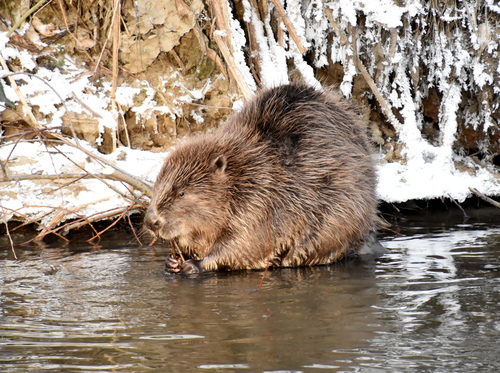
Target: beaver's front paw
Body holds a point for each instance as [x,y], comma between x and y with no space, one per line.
[175,265]
[191,266]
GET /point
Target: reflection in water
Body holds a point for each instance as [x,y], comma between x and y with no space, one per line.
[430,304]
[436,289]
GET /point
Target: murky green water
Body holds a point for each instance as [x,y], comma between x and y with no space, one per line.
[432,304]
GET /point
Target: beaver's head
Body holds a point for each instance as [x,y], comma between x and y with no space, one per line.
[190,200]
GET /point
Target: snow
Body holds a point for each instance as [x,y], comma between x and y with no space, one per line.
[89,196]
[272,57]
[400,183]
[429,170]
[239,43]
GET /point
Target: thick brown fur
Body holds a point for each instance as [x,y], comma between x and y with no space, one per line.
[293,168]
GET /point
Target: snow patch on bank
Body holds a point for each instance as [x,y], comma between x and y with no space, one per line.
[41,199]
[400,183]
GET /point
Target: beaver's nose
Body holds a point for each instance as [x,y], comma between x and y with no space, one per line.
[151,220]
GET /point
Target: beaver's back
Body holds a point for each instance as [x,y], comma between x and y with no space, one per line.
[324,191]
[286,114]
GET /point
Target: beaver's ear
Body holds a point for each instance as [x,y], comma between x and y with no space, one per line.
[220,163]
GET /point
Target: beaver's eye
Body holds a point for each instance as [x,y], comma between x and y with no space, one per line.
[181,194]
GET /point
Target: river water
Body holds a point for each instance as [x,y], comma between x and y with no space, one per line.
[431,304]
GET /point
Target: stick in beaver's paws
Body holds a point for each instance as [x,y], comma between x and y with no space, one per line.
[288,180]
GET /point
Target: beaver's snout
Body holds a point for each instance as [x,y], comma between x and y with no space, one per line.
[152,221]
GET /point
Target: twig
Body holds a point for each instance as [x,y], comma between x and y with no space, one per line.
[98,62]
[341,34]
[26,15]
[95,114]
[221,18]
[114,176]
[289,26]
[8,235]
[389,230]
[70,183]
[83,220]
[486,198]
[218,62]
[233,68]
[177,250]
[49,227]
[34,123]
[118,173]
[4,164]
[10,240]
[65,19]
[361,68]
[121,117]
[48,232]
[98,235]
[33,220]
[27,220]
[116,42]
[98,216]
[466,217]
[38,128]
[133,229]
[59,216]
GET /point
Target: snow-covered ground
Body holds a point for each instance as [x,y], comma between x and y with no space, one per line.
[428,172]
[42,199]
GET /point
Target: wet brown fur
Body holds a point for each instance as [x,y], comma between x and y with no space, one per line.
[294,157]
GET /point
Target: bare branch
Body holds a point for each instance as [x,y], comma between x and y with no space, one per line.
[486,198]
[291,30]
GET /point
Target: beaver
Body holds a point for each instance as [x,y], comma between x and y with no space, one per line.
[287,181]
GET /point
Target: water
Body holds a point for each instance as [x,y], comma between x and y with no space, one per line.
[431,304]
